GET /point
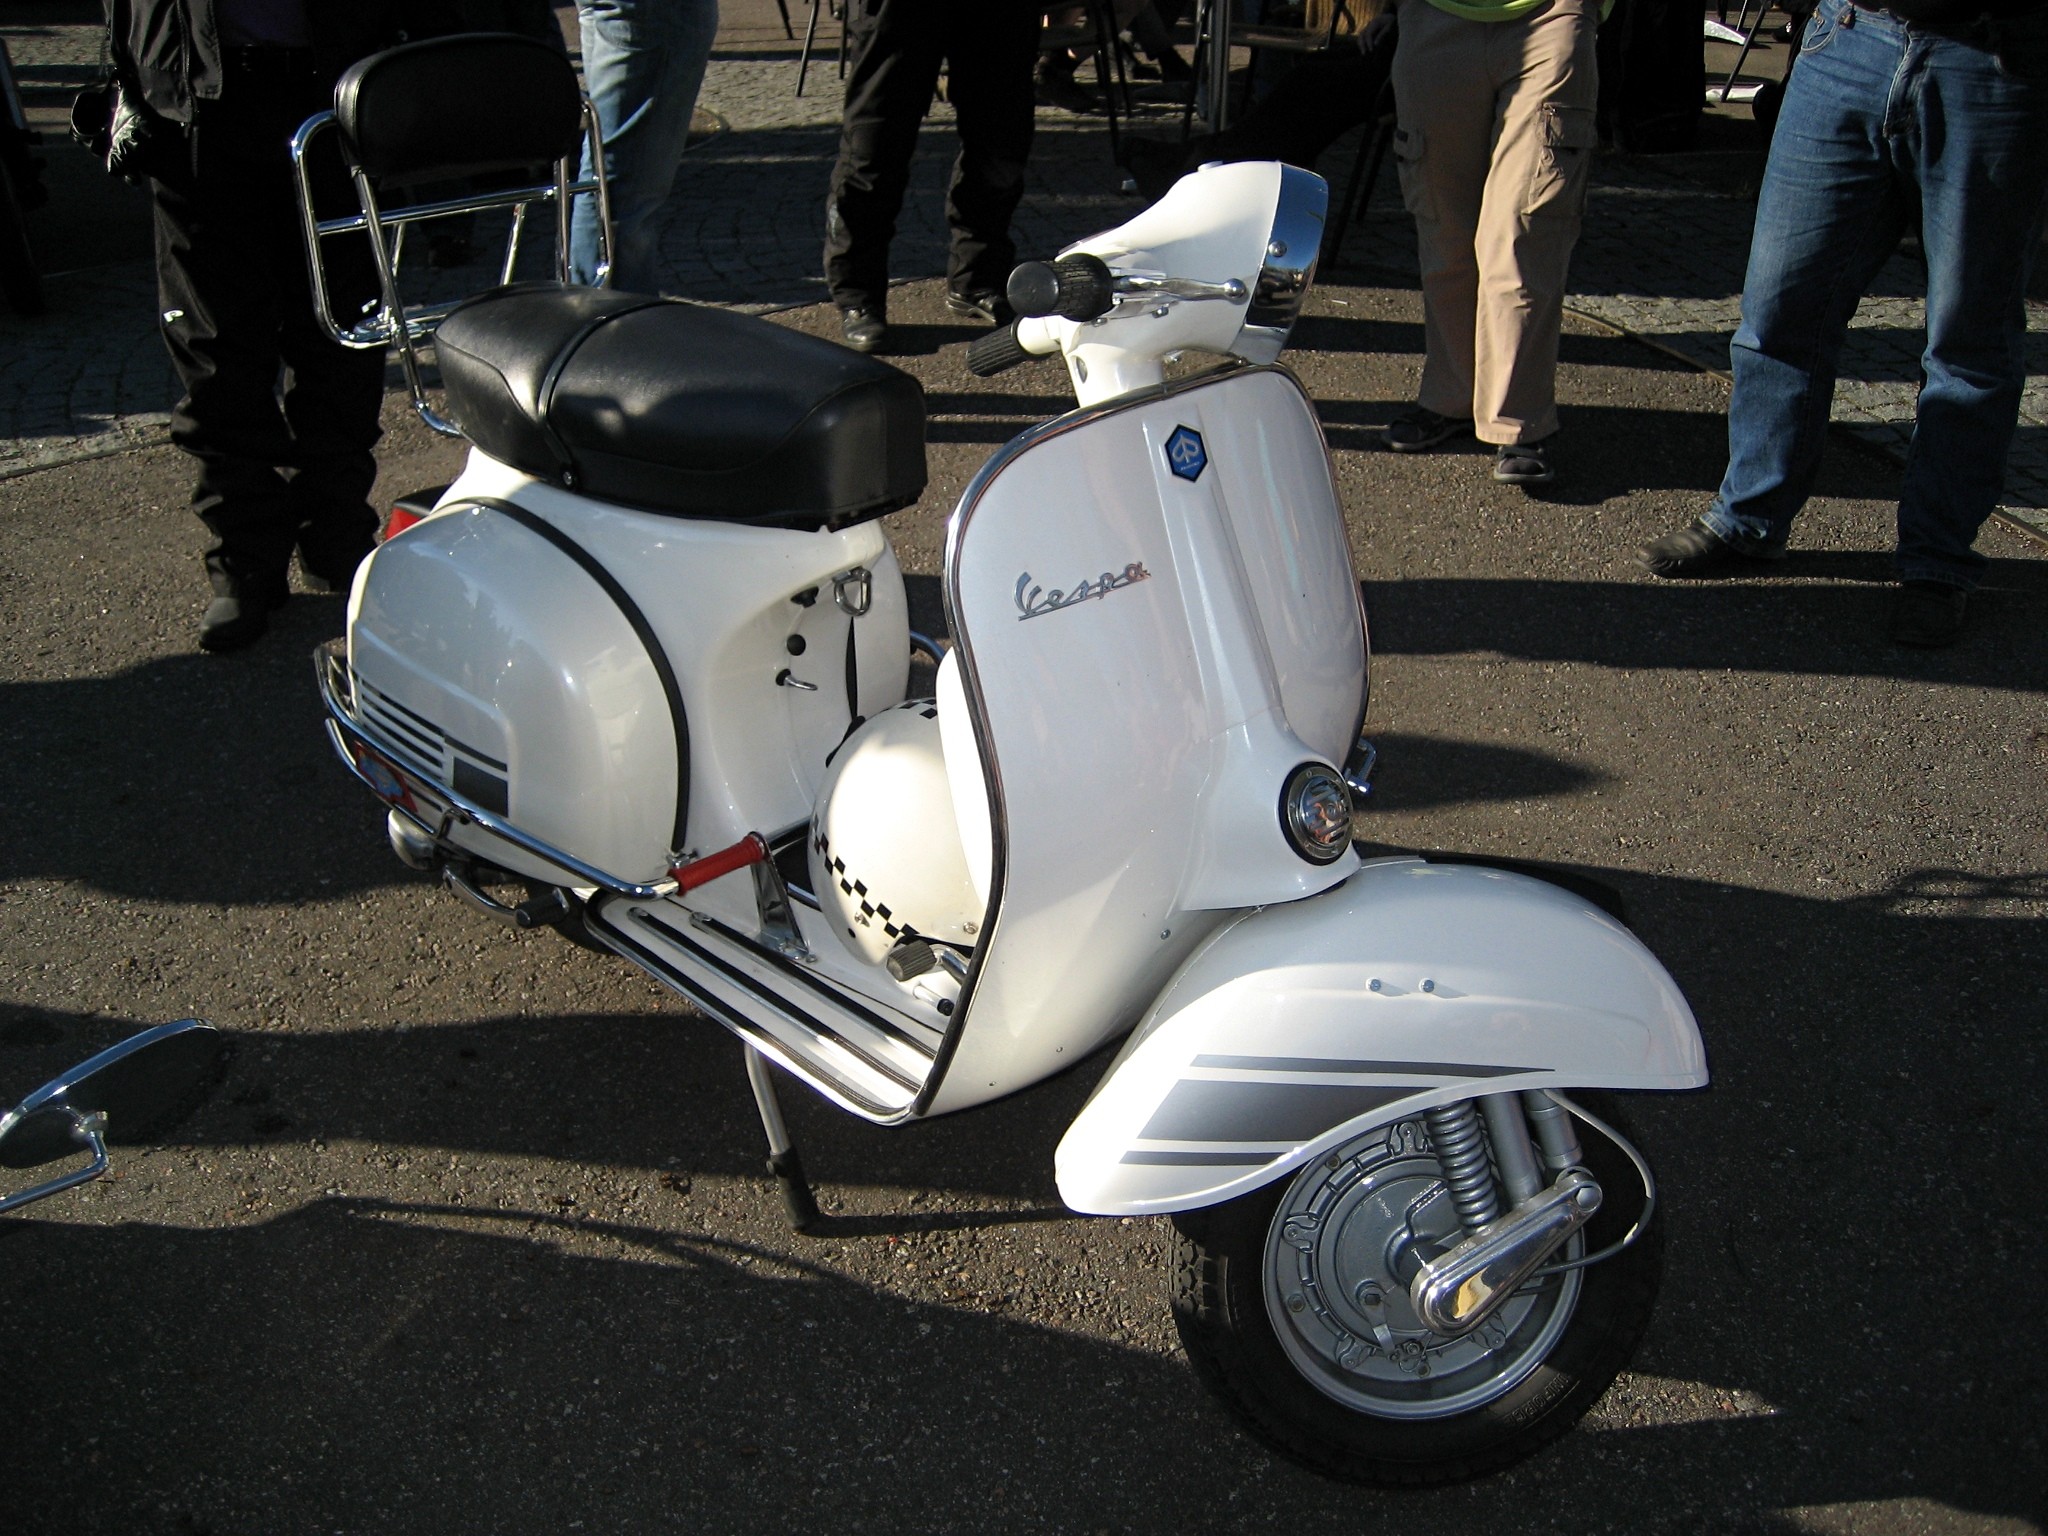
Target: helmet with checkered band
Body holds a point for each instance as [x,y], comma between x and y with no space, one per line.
[886,860]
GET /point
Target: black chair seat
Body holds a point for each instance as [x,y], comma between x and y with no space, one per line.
[678,408]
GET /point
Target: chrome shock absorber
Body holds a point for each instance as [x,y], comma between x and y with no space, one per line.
[1460,1146]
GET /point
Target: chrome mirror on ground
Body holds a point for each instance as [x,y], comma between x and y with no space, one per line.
[128,1094]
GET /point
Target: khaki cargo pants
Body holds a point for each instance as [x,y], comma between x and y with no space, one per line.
[1495,136]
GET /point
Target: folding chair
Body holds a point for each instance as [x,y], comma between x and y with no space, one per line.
[1096,30]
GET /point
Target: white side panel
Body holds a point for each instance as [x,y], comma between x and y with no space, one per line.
[1135,701]
[723,600]
[555,703]
[1411,985]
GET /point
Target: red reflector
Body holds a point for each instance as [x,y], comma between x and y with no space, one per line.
[401,518]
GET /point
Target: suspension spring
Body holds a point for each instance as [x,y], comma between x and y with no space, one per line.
[1460,1147]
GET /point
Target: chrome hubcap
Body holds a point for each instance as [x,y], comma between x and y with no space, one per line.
[1347,1238]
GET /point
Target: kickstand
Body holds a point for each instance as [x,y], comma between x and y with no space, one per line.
[798,1203]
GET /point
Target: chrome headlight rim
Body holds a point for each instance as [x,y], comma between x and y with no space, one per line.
[1306,785]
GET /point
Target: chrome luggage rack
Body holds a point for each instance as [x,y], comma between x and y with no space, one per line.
[395,323]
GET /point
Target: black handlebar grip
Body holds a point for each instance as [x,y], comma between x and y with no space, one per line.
[1074,288]
[991,354]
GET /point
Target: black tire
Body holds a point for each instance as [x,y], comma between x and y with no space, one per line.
[20,281]
[1219,1305]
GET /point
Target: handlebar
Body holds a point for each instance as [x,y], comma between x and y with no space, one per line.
[996,352]
[1079,288]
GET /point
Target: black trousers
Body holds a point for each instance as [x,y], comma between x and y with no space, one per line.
[280,417]
[989,48]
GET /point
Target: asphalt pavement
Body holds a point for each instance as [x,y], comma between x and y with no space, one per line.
[474,1235]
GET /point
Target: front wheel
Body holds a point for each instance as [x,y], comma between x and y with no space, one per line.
[1292,1302]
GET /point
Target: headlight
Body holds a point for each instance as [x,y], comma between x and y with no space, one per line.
[1315,813]
[1292,246]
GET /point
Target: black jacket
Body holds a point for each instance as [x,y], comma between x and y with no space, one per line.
[167,53]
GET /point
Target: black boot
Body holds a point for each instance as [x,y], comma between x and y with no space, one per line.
[243,602]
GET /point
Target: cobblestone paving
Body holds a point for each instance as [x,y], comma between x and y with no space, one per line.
[1662,258]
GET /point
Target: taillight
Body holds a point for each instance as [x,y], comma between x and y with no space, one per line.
[402,517]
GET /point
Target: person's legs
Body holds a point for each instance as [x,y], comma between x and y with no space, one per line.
[1978,142]
[1443,139]
[888,90]
[219,317]
[332,401]
[1831,210]
[644,62]
[1535,195]
[989,59]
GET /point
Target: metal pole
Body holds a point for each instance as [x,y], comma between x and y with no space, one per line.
[1221,13]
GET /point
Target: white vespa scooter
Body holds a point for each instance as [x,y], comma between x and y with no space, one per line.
[649,655]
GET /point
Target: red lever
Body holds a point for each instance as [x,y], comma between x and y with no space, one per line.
[751,849]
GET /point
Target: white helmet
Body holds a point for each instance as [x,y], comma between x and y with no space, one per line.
[886,861]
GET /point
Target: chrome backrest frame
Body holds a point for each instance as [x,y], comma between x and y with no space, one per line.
[396,323]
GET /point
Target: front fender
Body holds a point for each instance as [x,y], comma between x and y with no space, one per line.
[1410,985]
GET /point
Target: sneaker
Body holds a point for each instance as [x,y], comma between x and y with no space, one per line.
[983,304]
[863,329]
[239,616]
[1696,551]
[1419,429]
[1523,463]
[1928,615]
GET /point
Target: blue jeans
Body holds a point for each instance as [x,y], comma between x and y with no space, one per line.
[643,61]
[1886,126]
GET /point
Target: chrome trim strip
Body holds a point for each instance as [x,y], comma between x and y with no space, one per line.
[722,1013]
[791,1010]
[343,728]
[837,996]
[1372,1068]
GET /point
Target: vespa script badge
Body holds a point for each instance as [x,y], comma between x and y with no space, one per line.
[1036,602]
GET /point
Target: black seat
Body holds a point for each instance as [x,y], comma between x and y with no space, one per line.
[679,408]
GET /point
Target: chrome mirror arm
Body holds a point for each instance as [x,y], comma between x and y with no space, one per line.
[88,1131]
